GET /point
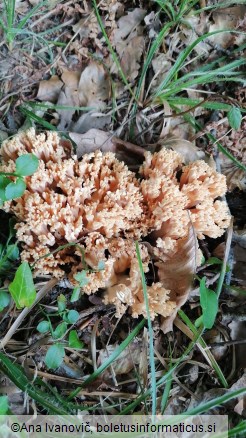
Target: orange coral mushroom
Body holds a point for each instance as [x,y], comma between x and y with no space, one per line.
[98,202]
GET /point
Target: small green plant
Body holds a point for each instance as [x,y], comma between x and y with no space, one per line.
[82,279]
[22,288]
[8,21]
[9,254]
[26,165]
[56,352]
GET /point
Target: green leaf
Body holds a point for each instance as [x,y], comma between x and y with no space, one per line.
[61,301]
[26,165]
[209,304]
[4,300]
[12,252]
[4,181]
[60,330]
[81,278]
[73,340]
[72,316]
[54,356]
[43,327]
[234,117]
[4,405]
[22,288]
[213,261]
[15,189]
[75,295]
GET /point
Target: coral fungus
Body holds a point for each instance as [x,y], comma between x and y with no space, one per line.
[100,205]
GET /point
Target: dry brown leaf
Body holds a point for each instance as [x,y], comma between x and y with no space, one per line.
[49,90]
[129,43]
[227,18]
[94,86]
[68,96]
[126,360]
[87,26]
[185,148]
[127,24]
[89,121]
[177,273]
[130,53]
[161,65]
[92,140]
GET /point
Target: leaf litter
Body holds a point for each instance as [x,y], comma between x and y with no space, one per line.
[85,75]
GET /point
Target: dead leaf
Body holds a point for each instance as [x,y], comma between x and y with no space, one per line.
[68,96]
[93,139]
[177,273]
[90,120]
[126,360]
[127,24]
[49,90]
[87,26]
[185,148]
[94,86]
[225,19]
[130,53]
[129,43]
[161,65]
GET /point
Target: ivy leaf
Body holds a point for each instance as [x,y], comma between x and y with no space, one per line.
[15,189]
[22,288]
[234,117]
[75,295]
[209,304]
[54,356]
[4,300]
[73,340]
[72,316]
[4,405]
[4,181]
[43,327]
[60,330]
[26,165]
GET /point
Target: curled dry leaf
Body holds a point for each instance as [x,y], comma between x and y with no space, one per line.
[177,273]
[49,90]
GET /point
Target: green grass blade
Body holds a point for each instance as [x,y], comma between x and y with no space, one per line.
[30,14]
[111,358]
[37,119]
[203,344]
[151,334]
[182,57]
[164,378]
[17,376]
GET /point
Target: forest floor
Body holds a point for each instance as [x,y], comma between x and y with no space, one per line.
[140,74]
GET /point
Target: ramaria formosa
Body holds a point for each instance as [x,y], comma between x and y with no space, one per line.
[98,202]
